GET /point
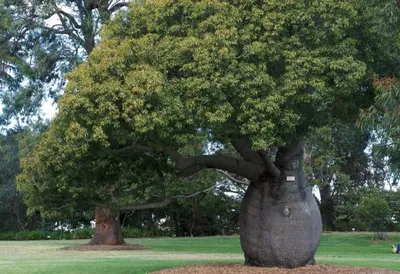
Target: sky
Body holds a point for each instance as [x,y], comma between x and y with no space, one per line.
[49,109]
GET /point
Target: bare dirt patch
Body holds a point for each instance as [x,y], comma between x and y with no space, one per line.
[242,269]
[87,247]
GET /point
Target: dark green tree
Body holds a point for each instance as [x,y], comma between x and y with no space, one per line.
[40,40]
[12,210]
[373,211]
[65,173]
[336,162]
[12,146]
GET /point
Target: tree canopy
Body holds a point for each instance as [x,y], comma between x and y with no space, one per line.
[255,76]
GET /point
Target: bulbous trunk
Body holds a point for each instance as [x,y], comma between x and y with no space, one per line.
[280,223]
[108,228]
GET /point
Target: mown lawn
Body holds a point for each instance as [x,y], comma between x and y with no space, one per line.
[46,257]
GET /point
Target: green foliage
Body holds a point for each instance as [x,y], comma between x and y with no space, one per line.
[335,161]
[204,215]
[64,174]
[381,117]
[12,147]
[373,210]
[200,208]
[175,68]
[81,233]
[132,232]
[35,52]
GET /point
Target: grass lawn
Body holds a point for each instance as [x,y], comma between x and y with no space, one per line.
[46,257]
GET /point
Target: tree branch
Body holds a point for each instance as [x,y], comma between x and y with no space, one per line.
[70,18]
[233,179]
[165,202]
[243,147]
[190,165]
[195,194]
[269,165]
[117,6]
[133,147]
[158,204]
[65,31]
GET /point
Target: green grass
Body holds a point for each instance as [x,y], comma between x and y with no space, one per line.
[355,249]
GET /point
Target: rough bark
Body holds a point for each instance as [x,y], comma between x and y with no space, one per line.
[108,228]
[280,223]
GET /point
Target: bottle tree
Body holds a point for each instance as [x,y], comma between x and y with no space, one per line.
[253,75]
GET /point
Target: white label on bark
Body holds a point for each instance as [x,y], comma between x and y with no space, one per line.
[290,178]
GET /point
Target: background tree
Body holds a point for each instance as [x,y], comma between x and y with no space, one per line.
[12,147]
[69,173]
[335,161]
[61,177]
[373,211]
[41,40]
[13,210]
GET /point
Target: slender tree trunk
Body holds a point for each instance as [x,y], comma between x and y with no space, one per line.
[280,223]
[108,228]
[327,208]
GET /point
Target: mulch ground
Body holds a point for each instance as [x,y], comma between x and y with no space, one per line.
[242,269]
[87,247]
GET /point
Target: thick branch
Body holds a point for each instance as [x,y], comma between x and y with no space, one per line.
[243,147]
[190,165]
[164,202]
[269,165]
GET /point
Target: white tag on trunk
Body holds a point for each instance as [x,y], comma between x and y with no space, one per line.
[290,178]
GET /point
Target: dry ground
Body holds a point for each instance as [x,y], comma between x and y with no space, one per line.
[241,269]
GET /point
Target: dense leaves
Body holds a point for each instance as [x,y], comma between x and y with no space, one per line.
[13,145]
[269,75]
[61,177]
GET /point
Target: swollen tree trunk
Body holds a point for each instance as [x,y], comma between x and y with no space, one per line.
[280,223]
[108,228]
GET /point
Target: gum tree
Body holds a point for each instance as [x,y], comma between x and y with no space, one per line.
[40,40]
[66,173]
[69,172]
[252,75]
